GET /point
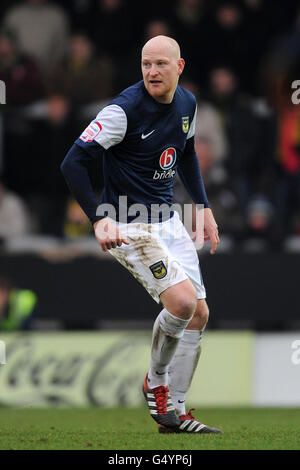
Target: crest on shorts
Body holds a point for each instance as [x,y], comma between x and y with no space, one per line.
[185,124]
[159,270]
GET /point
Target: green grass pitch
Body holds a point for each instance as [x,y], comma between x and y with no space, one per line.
[134,429]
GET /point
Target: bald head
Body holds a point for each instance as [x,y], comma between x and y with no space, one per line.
[162,45]
[161,67]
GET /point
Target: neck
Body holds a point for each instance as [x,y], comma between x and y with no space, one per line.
[165,99]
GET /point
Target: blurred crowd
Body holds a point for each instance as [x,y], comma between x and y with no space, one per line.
[62,61]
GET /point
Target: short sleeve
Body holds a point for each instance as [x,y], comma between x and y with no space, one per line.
[108,129]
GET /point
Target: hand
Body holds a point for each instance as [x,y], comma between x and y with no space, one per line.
[211,230]
[108,235]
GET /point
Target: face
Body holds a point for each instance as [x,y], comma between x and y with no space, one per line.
[58,108]
[80,49]
[229,17]
[6,47]
[204,154]
[156,28]
[222,82]
[161,70]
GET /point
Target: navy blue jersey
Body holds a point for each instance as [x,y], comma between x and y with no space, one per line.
[144,143]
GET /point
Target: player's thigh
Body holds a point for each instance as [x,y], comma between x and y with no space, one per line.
[183,251]
[149,261]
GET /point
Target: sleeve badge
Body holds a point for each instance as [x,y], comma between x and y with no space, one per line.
[185,124]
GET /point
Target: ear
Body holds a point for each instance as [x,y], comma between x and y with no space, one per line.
[181,64]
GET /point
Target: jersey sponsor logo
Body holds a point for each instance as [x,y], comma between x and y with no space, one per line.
[144,136]
[167,159]
[159,270]
[91,132]
[162,175]
[185,124]
[166,162]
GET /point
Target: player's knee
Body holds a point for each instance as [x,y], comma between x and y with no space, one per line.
[201,315]
[185,307]
[180,300]
[204,313]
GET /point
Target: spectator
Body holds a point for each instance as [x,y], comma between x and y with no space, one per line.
[287,189]
[81,76]
[281,64]
[80,13]
[281,67]
[189,12]
[250,151]
[17,307]
[211,147]
[156,27]
[41,29]
[210,137]
[76,222]
[111,28]
[14,218]
[19,72]
[230,42]
[52,137]
[188,19]
[261,224]
[244,161]
[231,138]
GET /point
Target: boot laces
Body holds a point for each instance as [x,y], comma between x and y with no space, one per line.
[161,398]
[188,415]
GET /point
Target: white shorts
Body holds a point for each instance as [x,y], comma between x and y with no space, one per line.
[160,255]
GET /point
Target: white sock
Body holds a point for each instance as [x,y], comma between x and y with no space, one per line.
[182,368]
[167,332]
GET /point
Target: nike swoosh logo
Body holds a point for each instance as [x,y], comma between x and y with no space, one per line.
[179,401]
[159,373]
[144,136]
